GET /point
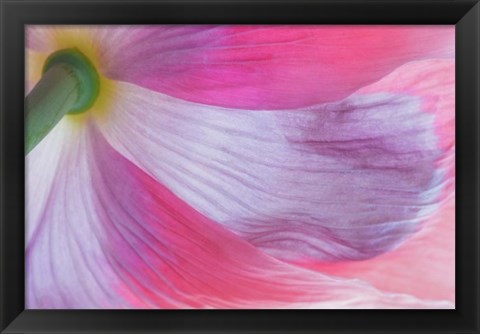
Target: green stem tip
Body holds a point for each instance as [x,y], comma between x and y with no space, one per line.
[69,84]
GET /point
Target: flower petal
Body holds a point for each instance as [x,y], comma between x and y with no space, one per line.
[346,180]
[112,237]
[256,67]
[41,172]
[39,38]
[267,67]
[428,259]
[424,266]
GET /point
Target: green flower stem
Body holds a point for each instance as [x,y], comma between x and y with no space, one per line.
[69,84]
[52,97]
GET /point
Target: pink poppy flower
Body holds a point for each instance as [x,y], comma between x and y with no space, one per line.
[247,167]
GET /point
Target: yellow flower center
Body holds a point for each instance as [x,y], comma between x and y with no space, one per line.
[82,39]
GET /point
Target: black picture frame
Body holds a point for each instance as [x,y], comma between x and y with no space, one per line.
[465,14]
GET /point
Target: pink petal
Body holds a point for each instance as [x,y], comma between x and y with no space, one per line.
[345,180]
[427,259]
[424,266]
[266,67]
[38,38]
[112,237]
[257,67]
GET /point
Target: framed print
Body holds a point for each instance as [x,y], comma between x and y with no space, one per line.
[239,166]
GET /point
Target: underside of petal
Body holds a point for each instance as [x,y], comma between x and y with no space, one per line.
[116,238]
[184,201]
[270,67]
[428,258]
[337,181]
[255,67]
[424,266]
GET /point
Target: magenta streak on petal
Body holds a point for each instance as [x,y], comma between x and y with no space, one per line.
[265,67]
[115,238]
[345,180]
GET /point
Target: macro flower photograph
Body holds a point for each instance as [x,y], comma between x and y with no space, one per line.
[240,167]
